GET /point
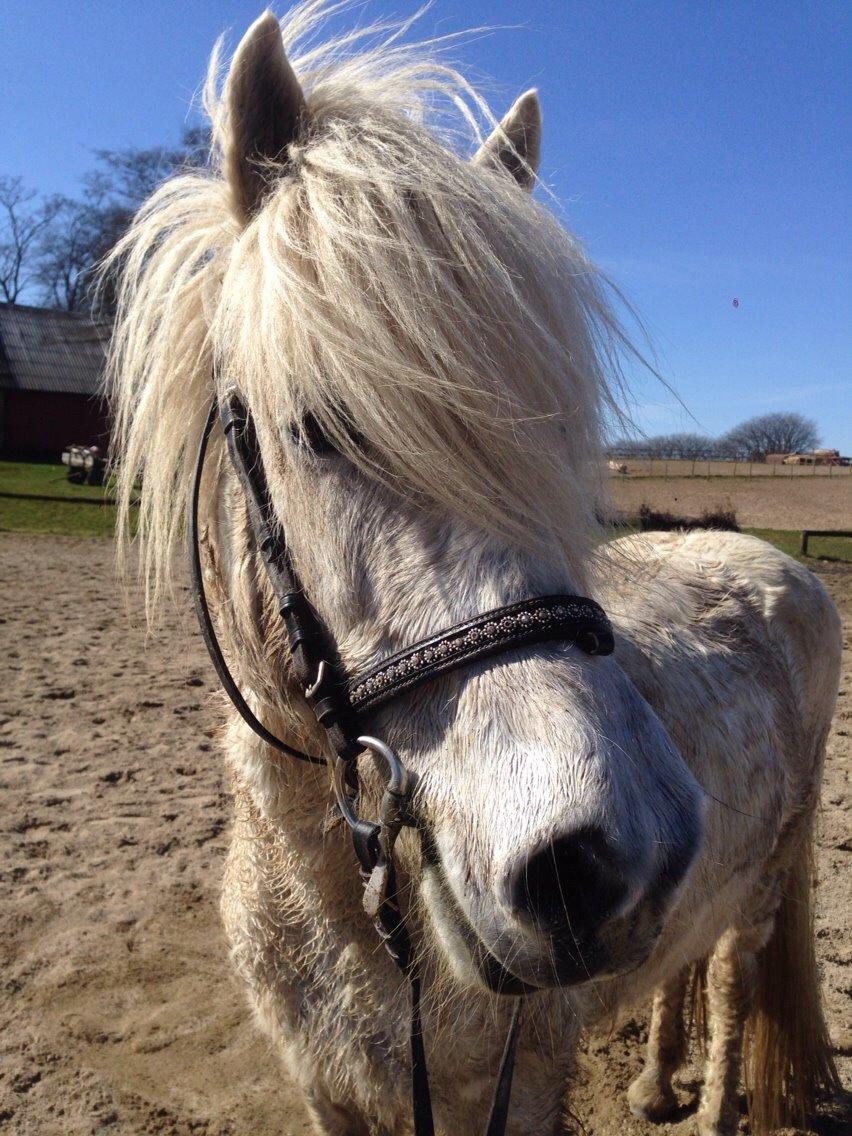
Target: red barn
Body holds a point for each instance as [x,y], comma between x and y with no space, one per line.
[51,365]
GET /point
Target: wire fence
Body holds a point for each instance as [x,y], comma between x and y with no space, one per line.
[632,466]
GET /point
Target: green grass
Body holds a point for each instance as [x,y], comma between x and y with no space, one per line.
[787,540]
[68,517]
[819,547]
[57,517]
[46,480]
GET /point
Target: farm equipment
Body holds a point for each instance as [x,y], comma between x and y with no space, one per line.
[86,465]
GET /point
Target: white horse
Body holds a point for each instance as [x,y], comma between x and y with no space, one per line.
[601,826]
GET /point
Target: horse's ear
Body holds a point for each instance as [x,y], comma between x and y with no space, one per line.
[265,107]
[515,144]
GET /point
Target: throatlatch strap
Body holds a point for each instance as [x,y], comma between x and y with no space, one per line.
[502,1094]
[421,1095]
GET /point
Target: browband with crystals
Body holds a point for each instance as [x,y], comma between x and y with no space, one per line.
[570,619]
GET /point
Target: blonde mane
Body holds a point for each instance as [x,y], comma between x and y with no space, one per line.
[399,292]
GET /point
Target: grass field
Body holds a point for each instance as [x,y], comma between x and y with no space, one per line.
[56,517]
[820,547]
[47,480]
[70,516]
[826,548]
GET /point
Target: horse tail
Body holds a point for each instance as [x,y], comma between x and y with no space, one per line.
[789,1062]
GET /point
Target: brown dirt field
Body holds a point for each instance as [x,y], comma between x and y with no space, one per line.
[760,503]
[117,1008]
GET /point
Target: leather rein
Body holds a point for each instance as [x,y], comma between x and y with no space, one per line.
[342,703]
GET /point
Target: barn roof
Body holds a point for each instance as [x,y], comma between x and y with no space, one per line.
[46,350]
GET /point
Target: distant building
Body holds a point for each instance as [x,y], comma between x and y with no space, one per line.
[51,365]
[815,457]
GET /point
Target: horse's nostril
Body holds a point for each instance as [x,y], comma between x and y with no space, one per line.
[572,883]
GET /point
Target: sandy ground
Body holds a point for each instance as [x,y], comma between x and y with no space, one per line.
[760,502]
[118,1013]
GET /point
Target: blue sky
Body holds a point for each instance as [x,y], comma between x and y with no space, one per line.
[701,151]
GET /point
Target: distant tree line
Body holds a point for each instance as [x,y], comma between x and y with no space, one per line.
[50,245]
[784,433]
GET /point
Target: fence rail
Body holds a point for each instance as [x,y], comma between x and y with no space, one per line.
[62,500]
[712,467]
[808,533]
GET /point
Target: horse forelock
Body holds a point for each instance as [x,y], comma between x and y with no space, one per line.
[403,295]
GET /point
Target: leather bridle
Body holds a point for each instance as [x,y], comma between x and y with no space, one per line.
[342,703]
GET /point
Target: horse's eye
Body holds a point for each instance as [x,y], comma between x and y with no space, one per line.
[310,434]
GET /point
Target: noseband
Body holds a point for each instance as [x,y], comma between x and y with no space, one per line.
[343,703]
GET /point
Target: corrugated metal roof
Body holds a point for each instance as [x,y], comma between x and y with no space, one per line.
[46,350]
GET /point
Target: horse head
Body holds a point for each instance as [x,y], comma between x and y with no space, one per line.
[425,355]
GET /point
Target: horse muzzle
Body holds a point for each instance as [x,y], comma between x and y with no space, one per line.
[568,913]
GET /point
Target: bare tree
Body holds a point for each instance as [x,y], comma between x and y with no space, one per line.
[783,433]
[85,229]
[625,448]
[133,174]
[688,447]
[23,220]
[752,440]
[70,248]
[68,253]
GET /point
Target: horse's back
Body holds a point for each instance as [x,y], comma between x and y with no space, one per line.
[801,622]
[736,647]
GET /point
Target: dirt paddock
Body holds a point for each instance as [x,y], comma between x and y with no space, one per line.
[759,502]
[118,1013]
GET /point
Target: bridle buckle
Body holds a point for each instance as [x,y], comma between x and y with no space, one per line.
[313,690]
